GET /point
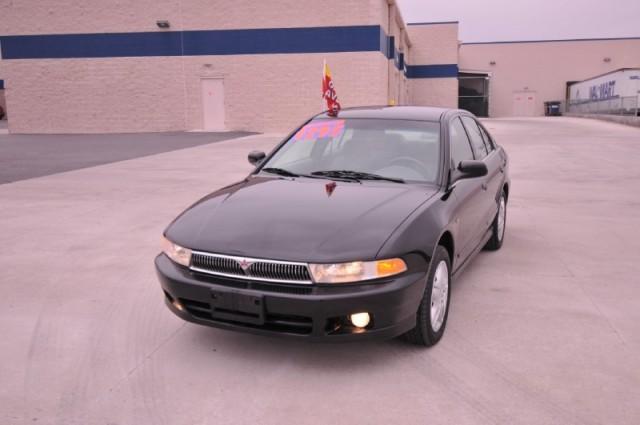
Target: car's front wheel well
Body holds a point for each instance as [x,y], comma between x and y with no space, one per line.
[446,240]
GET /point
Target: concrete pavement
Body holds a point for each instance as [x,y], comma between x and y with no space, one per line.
[544,331]
[25,156]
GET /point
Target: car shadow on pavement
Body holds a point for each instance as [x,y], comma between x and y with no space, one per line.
[350,355]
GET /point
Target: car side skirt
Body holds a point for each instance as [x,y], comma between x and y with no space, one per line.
[471,256]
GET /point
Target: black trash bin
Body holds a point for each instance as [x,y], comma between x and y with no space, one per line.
[552,108]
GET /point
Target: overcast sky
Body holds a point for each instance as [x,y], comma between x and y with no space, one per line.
[502,20]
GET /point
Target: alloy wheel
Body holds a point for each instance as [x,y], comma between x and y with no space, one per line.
[439,296]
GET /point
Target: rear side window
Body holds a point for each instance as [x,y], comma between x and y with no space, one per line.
[459,142]
[476,137]
[487,139]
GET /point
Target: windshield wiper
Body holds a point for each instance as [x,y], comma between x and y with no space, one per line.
[280,172]
[287,173]
[355,175]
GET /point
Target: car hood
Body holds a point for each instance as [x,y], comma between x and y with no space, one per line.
[298,219]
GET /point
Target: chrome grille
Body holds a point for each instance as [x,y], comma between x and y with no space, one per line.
[221,264]
[250,268]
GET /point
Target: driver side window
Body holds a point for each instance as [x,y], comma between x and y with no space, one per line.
[460,146]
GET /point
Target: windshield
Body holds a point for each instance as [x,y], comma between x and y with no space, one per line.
[393,149]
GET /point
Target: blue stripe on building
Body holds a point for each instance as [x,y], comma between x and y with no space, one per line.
[60,46]
[432,71]
[364,38]
[283,40]
[384,43]
[1,84]
[390,51]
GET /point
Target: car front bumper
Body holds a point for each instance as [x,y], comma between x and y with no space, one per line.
[285,310]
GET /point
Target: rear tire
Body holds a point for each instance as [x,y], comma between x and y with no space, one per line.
[431,318]
[499,225]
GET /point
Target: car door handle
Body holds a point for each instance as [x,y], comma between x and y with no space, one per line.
[484,186]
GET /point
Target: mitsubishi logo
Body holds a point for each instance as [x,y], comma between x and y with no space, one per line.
[245,264]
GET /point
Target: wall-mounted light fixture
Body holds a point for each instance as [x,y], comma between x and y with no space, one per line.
[607,60]
[163,24]
[492,63]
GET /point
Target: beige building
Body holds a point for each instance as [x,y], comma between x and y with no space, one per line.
[166,65]
[516,78]
[175,65]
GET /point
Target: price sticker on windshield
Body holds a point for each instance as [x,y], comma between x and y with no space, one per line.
[318,129]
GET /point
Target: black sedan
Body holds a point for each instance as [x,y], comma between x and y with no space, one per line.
[353,227]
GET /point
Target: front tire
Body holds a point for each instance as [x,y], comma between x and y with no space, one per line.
[432,314]
[499,225]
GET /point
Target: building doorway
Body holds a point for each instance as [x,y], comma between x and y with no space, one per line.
[524,104]
[473,93]
[212,104]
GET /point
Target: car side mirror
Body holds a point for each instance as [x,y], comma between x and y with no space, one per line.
[256,156]
[471,168]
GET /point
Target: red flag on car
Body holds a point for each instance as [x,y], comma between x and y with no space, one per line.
[329,91]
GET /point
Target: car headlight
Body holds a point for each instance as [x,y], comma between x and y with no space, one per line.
[356,271]
[176,253]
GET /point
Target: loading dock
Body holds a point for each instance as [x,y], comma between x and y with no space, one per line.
[473,92]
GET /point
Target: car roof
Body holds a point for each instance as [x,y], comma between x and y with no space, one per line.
[416,113]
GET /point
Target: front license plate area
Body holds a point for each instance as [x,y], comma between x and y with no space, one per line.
[237,307]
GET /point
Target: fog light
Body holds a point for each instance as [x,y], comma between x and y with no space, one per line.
[360,320]
[178,305]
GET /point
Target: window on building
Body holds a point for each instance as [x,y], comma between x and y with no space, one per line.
[473,93]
